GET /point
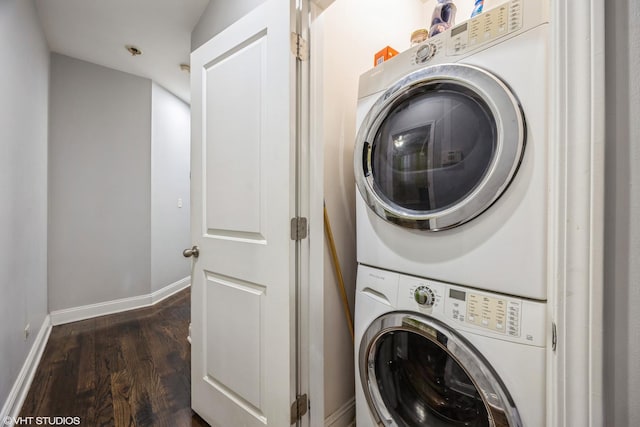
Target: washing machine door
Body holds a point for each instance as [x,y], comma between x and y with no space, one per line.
[439,147]
[416,371]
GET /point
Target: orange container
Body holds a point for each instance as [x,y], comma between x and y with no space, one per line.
[384,55]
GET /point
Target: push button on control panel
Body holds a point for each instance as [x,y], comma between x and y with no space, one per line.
[513,319]
[491,313]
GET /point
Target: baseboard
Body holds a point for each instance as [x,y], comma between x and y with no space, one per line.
[344,417]
[75,314]
[167,291]
[60,317]
[18,392]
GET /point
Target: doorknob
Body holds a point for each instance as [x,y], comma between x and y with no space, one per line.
[193,252]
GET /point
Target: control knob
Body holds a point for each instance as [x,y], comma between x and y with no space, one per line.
[425,52]
[424,296]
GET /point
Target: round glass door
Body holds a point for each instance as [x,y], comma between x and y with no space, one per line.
[417,372]
[439,147]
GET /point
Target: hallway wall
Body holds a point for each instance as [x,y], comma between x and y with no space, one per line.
[170,168]
[119,162]
[99,184]
[24,89]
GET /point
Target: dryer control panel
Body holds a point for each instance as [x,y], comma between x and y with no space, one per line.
[493,26]
[488,26]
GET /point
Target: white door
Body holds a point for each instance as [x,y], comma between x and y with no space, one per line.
[243,198]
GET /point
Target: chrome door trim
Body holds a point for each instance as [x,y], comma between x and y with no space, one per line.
[496,398]
[510,144]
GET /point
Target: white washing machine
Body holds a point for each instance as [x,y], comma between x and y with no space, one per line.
[451,155]
[434,354]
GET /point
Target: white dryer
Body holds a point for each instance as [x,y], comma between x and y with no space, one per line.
[451,155]
[433,354]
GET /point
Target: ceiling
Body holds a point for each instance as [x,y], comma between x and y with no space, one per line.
[98,30]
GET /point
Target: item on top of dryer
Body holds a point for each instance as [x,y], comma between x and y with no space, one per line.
[384,55]
[477,8]
[443,17]
[419,36]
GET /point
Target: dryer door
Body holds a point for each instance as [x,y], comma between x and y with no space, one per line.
[439,147]
[416,371]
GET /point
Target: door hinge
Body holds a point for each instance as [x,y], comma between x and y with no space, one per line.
[299,47]
[554,336]
[299,408]
[298,228]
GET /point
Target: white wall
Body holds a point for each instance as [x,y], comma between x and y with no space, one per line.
[354,30]
[622,215]
[170,164]
[99,184]
[24,91]
[218,15]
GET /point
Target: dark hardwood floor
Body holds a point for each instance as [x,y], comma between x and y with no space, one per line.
[126,369]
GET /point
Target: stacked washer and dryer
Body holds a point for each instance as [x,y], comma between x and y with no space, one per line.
[451,167]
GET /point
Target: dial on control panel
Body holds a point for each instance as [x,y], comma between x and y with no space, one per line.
[424,296]
[425,52]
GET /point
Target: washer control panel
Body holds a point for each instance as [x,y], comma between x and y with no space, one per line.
[488,313]
[494,313]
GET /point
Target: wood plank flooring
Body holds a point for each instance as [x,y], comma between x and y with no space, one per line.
[127,369]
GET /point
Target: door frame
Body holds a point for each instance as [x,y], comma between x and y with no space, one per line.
[313,293]
[310,189]
[576,214]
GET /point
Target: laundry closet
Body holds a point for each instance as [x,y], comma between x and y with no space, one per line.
[369,27]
